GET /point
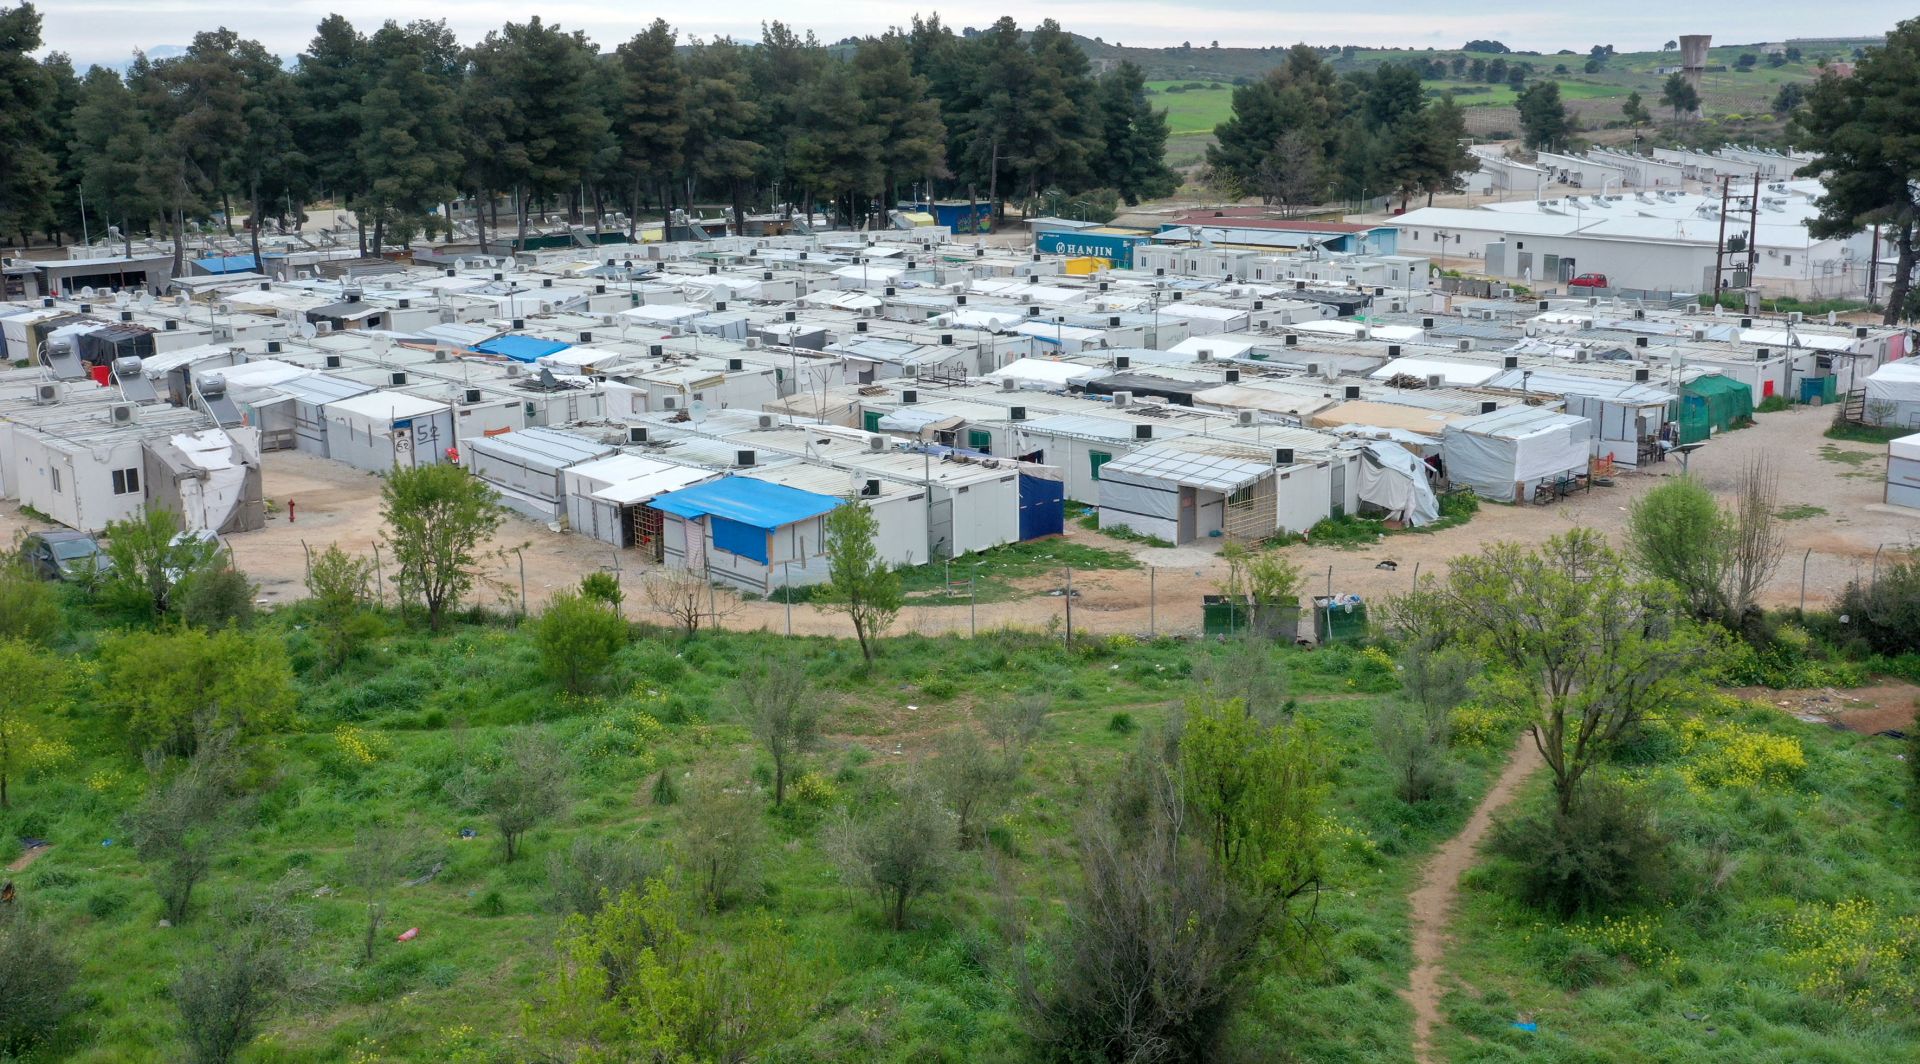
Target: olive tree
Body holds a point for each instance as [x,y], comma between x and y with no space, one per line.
[340,597]
[859,583]
[525,784]
[437,516]
[251,967]
[903,852]
[184,819]
[1582,649]
[783,713]
[150,558]
[37,973]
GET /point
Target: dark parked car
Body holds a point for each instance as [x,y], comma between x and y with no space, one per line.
[73,557]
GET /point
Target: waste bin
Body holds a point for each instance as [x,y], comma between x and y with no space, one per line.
[1220,615]
[1339,618]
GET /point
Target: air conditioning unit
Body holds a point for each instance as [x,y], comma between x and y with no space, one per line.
[46,394]
[1436,380]
[670,402]
[1316,369]
[763,421]
[514,369]
[322,328]
[396,378]
[1486,314]
[753,344]
[123,413]
[472,396]
[1121,399]
[1143,432]
[1464,345]
[1794,317]
[1699,333]
[1581,354]
[1244,419]
[876,443]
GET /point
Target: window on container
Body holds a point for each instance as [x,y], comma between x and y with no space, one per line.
[126,481]
[1096,459]
[56,479]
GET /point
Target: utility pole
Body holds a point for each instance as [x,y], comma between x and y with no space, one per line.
[1720,247]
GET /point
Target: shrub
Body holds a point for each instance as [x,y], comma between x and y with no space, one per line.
[1885,612]
[594,871]
[216,596]
[1122,723]
[1605,850]
[36,979]
[577,636]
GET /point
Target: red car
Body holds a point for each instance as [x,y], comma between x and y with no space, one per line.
[1589,280]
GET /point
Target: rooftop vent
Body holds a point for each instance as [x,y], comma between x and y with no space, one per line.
[1488,406]
[743,458]
[909,396]
[1352,391]
[397,378]
[333,361]
[1233,376]
[1282,456]
[1143,432]
[1016,413]
[636,434]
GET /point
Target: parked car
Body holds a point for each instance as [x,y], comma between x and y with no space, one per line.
[70,557]
[1589,280]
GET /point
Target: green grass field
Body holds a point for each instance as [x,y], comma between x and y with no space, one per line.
[1757,950]
[1193,111]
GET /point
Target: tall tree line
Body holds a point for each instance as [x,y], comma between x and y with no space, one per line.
[1301,134]
[400,123]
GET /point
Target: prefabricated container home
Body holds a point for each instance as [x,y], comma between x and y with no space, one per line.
[746,533]
[384,430]
[524,467]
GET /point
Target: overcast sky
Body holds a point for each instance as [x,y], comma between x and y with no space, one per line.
[110,30]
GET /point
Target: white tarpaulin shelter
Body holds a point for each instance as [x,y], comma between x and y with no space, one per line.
[1903,471]
[1893,395]
[1046,373]
[1394,480]
[210,478]
[1506,454]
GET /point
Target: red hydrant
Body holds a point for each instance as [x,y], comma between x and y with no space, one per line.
[289,511]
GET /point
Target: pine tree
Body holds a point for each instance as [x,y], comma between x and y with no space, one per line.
[721,119]
[26,175]
[905,119]
[111,146]
[1135,134]
[543,109]
[1864,132]
[834,148]
[653,117]
[409,148]
[1543,118]
[331,79]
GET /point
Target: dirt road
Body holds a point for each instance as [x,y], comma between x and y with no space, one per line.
[1831,491]
[1431,903]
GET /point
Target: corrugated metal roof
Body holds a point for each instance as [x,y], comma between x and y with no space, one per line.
[1225,469]
[550,446]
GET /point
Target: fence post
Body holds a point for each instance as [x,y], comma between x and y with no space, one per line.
[1804,558]
[973,627]
[1876,562]
[1069,598]
[1153,594]
[523,580]
[309,552]
[379,577]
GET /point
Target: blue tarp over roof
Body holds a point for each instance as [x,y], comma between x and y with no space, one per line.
[520,348]
[748,501]
[228,264]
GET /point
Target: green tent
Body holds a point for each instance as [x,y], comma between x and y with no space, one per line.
[1709,404]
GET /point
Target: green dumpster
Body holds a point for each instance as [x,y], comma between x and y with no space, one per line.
[1220,615]
[1339,618]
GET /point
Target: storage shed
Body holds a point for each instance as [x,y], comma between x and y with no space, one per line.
[1893,395]
[608,498]
[1711,404]
[524,467]
[1505,455]
[385,430]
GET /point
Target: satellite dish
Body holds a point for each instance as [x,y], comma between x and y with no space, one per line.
[86,292]
[460,264]
[698,409]
[381,344]
[307,331]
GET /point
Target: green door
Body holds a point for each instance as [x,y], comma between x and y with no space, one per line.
[980,440]
[1096,459]
[873,421]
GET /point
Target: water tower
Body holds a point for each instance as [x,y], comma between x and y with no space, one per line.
[1693,57]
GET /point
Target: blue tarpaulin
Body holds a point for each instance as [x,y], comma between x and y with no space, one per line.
[216,264]
[745,501]
[520,348]
[736,538]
